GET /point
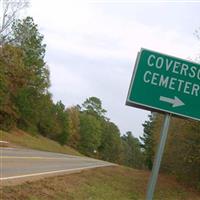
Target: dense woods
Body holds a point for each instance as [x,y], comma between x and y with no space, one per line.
[182,152]
[26,103]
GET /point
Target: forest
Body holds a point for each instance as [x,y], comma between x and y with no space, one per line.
[182,151]
[26,103]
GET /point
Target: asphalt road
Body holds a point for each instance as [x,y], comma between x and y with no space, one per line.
[25,163]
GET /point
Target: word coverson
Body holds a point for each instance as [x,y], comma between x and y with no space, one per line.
[172,83]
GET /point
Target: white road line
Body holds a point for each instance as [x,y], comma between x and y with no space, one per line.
[49,158]
[34,157]
[51,172]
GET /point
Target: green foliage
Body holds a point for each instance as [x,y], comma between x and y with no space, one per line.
[182,155]
[148,141]
[26,103]
[46,117]
[24,83]
[93,106]
[53,120]
[73,126]
[27,37]
[90,132]
[62,120]
[182,151]
[3,80]
[132,154]
[12,77]
[110,148]
[103,136]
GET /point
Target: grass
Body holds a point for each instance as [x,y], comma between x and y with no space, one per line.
[109,183]
[21,138]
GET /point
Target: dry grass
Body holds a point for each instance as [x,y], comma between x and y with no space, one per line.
[21,138]
[110,183]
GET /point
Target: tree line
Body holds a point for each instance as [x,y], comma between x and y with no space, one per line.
[26,103]
[182,151]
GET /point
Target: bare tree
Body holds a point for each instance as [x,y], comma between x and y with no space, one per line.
[9,11]
[197,35]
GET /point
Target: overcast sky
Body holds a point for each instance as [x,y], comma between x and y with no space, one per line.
[92,47]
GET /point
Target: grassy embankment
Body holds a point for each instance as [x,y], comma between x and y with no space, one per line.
[23,139]
[109,183]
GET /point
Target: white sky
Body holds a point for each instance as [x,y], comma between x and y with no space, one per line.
[92,47]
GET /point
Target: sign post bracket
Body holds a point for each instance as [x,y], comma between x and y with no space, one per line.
[159,154]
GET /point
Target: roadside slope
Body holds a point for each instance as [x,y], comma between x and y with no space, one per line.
[23,139]
[118,183]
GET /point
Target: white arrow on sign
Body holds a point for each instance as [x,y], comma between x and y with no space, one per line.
[175,102]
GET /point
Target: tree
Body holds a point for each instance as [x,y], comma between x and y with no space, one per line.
[27,37]
[9,9]
[47,123]
[132,154]
[62,120]
[182,152]
[13,74]
[148,141]
[73,126]
[25,77]
[110,148]
[93,106]
[90,132]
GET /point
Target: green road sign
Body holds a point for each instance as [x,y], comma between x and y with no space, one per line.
[165,83]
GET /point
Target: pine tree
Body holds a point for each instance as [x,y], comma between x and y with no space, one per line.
[148,141]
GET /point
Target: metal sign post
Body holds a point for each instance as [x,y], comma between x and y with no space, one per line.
[157,161]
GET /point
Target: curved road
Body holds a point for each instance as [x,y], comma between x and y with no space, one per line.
[25,163]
